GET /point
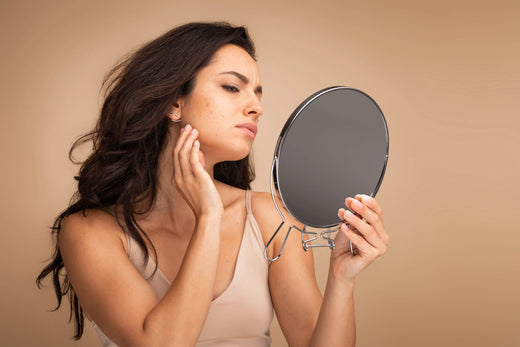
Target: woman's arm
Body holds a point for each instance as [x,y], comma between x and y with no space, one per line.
[112,291]
[304,317]
[120,301]
[336,324]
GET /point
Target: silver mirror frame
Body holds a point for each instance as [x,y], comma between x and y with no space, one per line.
[275,189]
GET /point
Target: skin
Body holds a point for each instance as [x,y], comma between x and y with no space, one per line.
[197,224]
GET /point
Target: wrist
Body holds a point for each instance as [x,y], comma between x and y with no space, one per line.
[213,212]
[209,218]
[339,280]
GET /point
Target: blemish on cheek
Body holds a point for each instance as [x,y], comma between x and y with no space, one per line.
[208,106]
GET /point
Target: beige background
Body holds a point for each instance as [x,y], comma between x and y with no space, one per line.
[445,73]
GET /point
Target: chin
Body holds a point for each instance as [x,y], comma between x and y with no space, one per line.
[239,152]
[237,157]
[230,150]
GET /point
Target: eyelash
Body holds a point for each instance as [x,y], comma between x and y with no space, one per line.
[231,89]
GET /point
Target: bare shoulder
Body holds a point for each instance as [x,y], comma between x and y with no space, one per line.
[105,280]
[261,201]
[265,210]
[269,219]
[90,227]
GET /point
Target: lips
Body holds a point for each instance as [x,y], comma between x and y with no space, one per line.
[249,128]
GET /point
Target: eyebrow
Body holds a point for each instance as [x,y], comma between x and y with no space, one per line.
[243,78]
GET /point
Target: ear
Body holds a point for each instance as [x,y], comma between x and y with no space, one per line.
[175,112]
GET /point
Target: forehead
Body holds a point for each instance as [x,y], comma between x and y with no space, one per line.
[233,58]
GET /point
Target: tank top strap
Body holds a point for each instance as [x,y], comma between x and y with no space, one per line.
[129,239]
[129,248]
[131,245]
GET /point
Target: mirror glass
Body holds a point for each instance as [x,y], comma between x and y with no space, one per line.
[333,146]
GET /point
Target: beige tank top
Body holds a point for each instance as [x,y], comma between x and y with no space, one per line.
[242,314]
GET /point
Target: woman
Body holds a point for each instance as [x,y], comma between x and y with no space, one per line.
[163,244]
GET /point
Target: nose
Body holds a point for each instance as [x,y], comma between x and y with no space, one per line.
[254,108]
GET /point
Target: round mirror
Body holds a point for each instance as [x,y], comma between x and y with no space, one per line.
[334,145]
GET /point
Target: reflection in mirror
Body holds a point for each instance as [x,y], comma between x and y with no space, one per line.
[333,146]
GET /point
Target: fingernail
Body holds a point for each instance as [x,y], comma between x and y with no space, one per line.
[366,199]
[349,215]
[193,131]
[182,129]
[196,143]
[357,204]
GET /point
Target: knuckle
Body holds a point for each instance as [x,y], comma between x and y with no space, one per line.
[356,234]
[183,154]
[373,254]
[184,147]
[378,224]
[351,231]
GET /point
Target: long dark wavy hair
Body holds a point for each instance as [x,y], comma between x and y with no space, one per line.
[121,172]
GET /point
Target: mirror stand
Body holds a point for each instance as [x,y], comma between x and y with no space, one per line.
[325,235]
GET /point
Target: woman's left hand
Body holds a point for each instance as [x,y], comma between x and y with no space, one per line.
[367,234]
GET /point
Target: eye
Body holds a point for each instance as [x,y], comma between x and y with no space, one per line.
[231,89]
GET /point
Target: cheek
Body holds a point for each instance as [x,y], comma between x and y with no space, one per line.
[200,114]
[207,121]
[207,105]
[208,116]
[209,113]
[214,118]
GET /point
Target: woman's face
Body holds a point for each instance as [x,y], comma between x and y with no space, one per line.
[224,104]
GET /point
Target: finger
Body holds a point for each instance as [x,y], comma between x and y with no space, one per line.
[341,215]
[201,158]
[371,203]
[176,151]
[366,230]
[365,213]
[364,248]
[367,209]
[185,154]
[184,133]
[195,158]
[366,200]
[362,210]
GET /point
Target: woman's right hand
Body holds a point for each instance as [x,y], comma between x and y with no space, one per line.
[191,179]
